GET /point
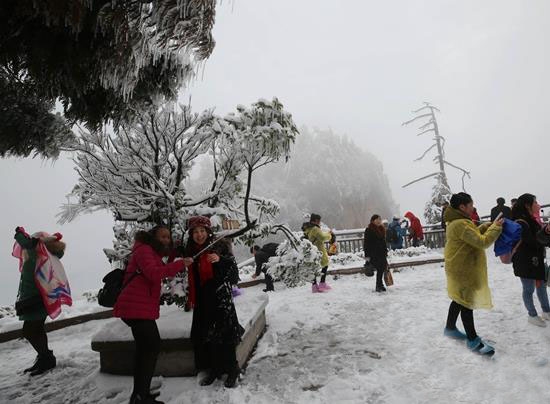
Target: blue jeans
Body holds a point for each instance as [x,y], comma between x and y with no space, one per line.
[528,290]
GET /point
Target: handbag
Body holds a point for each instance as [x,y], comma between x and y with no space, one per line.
[388,278]
[28,305]
[113,286]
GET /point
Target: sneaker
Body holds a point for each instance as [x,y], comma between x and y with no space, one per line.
[536,320]
[546,316]
[324,286]
[481,347]
[315,289]
[454,334]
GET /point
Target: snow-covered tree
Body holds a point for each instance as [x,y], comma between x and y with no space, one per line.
[138,172]
[252,138]
[103,59]
[295,264]
[141,172]
[441,192]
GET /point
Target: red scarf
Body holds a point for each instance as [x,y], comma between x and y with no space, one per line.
[380,231]
[206,273]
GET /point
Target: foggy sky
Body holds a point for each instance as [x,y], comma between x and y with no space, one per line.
[360,68]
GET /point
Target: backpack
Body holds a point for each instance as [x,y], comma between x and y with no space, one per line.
[392,234]
[507,258]
[113,286]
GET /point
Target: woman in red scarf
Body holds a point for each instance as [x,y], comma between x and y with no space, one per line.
[376,250]
[216,331]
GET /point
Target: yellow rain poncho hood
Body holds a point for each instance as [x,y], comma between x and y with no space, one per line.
[465,259]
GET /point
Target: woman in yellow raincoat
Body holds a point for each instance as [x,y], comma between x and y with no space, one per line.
[466,269]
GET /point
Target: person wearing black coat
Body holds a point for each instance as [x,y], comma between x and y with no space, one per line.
[528,260]
[215,331]
[261,257]
[501,208]
[376,250]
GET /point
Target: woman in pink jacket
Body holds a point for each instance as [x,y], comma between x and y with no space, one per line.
[138,303]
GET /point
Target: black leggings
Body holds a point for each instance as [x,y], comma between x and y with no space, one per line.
[35,332]
[467,319]
[323,276]
[147,337]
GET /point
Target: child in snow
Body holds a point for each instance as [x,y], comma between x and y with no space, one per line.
[215,331]
[376,250]
[528,260]
[138,303]
[43,288]
[466,269]
[317,237]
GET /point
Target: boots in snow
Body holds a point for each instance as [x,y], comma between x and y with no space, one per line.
[324,286]
[208,379]
[536,320]
[546,316]
[147,399]
[315,289]
[380,288]
[454,334]
[33,367]
[45,362]
[232,378]
[481,347]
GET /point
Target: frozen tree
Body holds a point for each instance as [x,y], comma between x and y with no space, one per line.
[138,173]
[248,140]
[102,59]
[141,171]
[295,265]
[441,192]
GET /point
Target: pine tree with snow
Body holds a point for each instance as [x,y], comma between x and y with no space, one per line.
[104,60]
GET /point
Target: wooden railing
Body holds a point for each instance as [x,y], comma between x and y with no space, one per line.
[351,241]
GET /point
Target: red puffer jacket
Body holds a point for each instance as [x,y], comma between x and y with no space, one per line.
[140,298]
[416,226]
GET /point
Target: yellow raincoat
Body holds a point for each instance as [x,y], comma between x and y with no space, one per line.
[318,238]
[465,259]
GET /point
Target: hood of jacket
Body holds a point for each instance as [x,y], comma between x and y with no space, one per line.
[410,215]
[452,214]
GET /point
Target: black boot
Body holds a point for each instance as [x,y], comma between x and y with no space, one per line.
[232,378]
[380,288]
[45,362]
[33,367]
[147,399]
[208,379]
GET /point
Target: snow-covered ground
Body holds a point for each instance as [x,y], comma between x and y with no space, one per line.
[349,345]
